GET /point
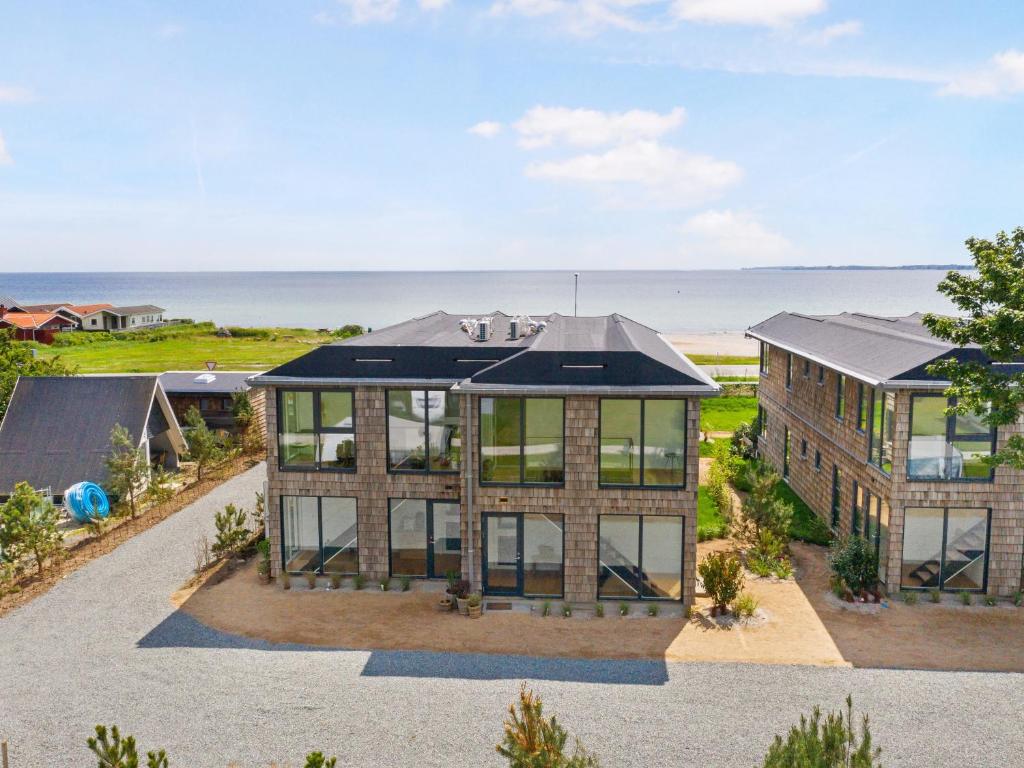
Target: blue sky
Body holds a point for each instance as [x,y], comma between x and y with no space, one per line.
[424,134]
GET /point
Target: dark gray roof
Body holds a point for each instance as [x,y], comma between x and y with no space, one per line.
[601,353]
[56,431]
[141,309]
[874,349]
[204,382]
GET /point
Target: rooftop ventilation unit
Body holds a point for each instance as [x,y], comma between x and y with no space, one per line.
[205,378]
[483,329]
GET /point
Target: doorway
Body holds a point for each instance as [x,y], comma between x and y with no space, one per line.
[523,554]
[425,538]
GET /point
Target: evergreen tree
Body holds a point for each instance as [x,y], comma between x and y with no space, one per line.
[203,447]
[993,306]
[534,741]
[231,530]
[113,751]
[28,526]
[127,469]
[16,360]
[317,760]
[832,744]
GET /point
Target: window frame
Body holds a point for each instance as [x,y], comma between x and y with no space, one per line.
[522,444]
[862,409]
[840,409]
[881,429]
[317,465]
[640,558]
[807,368]
[821,375]
[951,437]
[817,460]
[789,371]
[643,443]
[319,532]
[430,536]
[764,356]
[945,542]
[837,496]
[426,433]
[786,451]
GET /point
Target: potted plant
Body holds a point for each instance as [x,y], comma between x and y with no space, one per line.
[474,606]
[462,596]
[263,565]
[450,593]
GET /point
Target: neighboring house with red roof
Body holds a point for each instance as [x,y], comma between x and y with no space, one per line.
[85,317]
[36,326]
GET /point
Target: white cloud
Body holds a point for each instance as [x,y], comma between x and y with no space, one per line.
[488,129]
[13,94]
[580,17]
[1003,76]
[734,235]
[433,5]
[5,156]
[543,126]
[362,12]
[762,13]
[833,32]
[660,174]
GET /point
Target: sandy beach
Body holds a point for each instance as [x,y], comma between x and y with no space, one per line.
[718,343]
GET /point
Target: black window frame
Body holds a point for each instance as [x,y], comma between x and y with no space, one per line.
[857,510]
[789,371]
[429,535]
[807,368]
[951,436]
[803,448]
[320,533]
[640,558]
[786,453]
[840,409]
[821,375]
[519,591]
[817,460]
[881,429]
[945,542]
[522,444]
[426,434]
[643,443]
[318,430]
[837,495]
[862,409]
[764,357]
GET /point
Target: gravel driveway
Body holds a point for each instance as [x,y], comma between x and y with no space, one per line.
[106,646]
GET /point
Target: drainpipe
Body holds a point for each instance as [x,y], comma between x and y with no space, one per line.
[468,462]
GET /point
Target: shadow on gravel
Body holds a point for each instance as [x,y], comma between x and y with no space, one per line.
[179,630]
[474,666]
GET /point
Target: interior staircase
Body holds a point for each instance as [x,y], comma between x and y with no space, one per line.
[964,551]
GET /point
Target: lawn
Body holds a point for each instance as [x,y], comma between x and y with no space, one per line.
[805,525]
[710,523]
[723,360]
[186,347]
[724,414]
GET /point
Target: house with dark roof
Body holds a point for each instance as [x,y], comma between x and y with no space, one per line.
[56,431]
[547,457]
[212,393]
[851,417]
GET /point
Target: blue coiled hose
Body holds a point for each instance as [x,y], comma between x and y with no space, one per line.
[86,501]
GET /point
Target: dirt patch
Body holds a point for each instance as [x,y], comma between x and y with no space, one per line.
[922,636]
[240,605]
[89,548]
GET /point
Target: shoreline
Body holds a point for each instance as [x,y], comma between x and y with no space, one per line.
[731,343]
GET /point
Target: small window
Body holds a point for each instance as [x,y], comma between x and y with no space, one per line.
[817,460]
[840,396]
[789,370]
[821,375]
[862,408]
[763,359]
[857,514]
[803,449]
[786,445]
[807,369]
[837,485]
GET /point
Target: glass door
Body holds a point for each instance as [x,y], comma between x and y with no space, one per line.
[426,538]
[445,539]
[503,573]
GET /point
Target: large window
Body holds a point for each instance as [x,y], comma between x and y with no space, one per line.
[883,404]
[862,408]
[423,431]
[947,447]
[837,490]
[316,430]
[640,557]
[522,440]
[319,535]
[643,442]
[945,548]
[425,538]
[859,503]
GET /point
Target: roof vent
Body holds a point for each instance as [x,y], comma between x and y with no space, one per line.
[479,329]
[205,378]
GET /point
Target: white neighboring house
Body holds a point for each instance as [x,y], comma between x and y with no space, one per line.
[123,318]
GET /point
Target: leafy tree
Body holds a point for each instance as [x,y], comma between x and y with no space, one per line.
[231,530]
[348,331]
[763,509]
[127,469]
[202,443]
[853,560]
[113,751]
[16,360]
[722,575]
[28,526]
[744,439]
[241,409]
[993,306]
[317,760]
[534,741]
[832,744]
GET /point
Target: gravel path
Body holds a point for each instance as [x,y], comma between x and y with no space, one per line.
[106,646]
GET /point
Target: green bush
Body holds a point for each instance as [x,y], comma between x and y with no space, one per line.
[744,439]
[966,598]
[723,470]
[764,509]
[723,577]
[909,597]
[853,560]
[599,610]
[744,605]
[935,595]
[832,744]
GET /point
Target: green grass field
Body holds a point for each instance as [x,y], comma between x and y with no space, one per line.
[187,348]
[723,360]
[724,414]
[710,523]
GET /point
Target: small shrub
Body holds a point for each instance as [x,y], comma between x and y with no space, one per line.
[358,581]
[783,569]
[599,610]
[966,598]
[474,600]
[623,609]
[935,596]
[744,605]
[764,509]
[232,530]
[317,760]
[853,559]
[545,608]
[768,546]
[385,585]
[910,598]
[116,752]
[566,610]
[532,740]
[335,581]
[311,579]
[405,582]
[1018,598]
[991,600]
[653,609]
[286,580]
[761,567]
[723,578]
[832,744]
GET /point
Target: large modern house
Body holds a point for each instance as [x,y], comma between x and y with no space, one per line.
[853,420]
[537,457]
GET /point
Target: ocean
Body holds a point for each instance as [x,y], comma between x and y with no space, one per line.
[672,302]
